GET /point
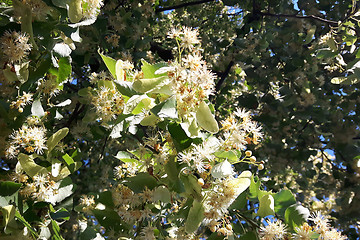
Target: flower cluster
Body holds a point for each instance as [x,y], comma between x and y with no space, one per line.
[30,139]
[240,130]
[219,198]
[191,80]
[320,228]
[15,46]
[87,203]
[125,169]
[108,103]
[49,85]
[188,37]
[131,206]
[273,230]
[42,188]
[22,101]
[199,157]
[192,83]
[91,8]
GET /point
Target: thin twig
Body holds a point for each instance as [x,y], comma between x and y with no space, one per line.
[182,5]
[103,149]
[330,22]
[223,76]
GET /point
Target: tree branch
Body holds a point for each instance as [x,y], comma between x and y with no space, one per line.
[330,22]
[182,5]
[223,76]
[163,53]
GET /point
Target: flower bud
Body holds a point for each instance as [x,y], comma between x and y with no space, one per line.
[201,182]
[248,153]
[261,167]
[252,159]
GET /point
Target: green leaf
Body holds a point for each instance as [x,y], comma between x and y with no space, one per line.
[60,215]
[109,219]
[56,138]
[150,120]
[125,157]
[195,217]
[150,69]
[249,236]
[283,199]
[172,170]
[166,109]
[68,159]
[8,188]
[110,64]
[26,224]
[106,199]
[56,231]
[162,194]
[231,156]
[192,187]
[71,164]
[143,85]
[310,34]
[254,188]
[179,137]
[125,88]
[140,181]
[85,92]
[30,167]
[64,70]
[296,215]
[8,214]
[137,103]
[266,206]
[326,53]
[240,202]
[206,119]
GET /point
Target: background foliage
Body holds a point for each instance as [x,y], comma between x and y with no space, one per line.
[294,65]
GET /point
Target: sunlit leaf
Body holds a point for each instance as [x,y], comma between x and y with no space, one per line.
[196,215]
[295,215]
[266,206]
[56,138]
[30,167]
[206,119]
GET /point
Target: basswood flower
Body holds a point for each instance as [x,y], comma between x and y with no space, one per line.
[273,230]
[91,8]
[43,188]
[303,233]
[189,37]
[30,139]
[22,101]
[147,233]
[15,46]
[240,130]
[108,103]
